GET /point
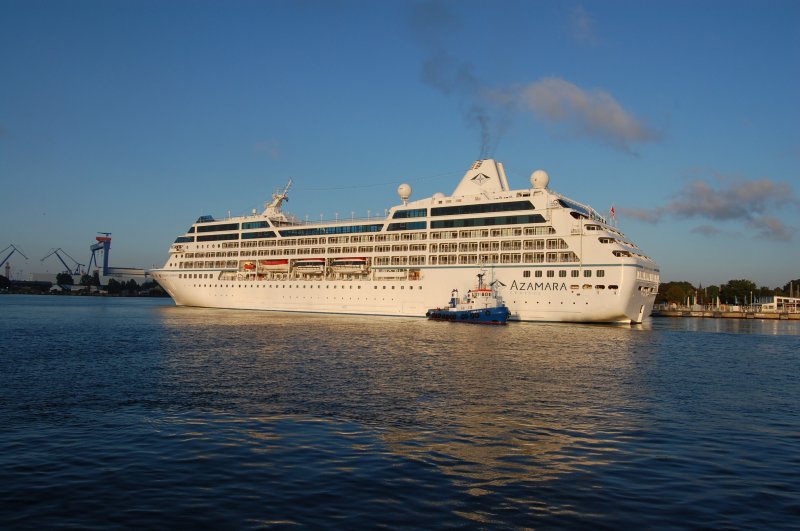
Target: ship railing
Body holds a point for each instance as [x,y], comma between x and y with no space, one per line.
[338,220]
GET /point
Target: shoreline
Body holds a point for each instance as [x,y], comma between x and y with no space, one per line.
[718,314]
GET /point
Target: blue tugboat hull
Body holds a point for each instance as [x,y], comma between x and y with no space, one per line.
[497,315]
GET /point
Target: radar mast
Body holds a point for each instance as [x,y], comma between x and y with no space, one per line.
[273,208]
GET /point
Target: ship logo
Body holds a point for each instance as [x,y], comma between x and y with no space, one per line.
[480,179]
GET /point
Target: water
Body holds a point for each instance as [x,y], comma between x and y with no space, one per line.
[128,413]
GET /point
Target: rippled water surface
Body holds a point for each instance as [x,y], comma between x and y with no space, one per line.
[134,413]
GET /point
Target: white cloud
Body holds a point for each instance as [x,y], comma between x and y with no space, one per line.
[771,228]
[753,202]
[731,199]
[592,113]
[561,105]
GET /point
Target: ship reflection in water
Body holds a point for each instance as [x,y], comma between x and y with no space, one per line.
[492,413]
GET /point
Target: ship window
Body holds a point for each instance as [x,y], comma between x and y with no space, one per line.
[600,286]
[575,273]
[526,274]
[587,272]
[343,229]
[482,208]
[483,222]
[538,273]
[613,286]
[600,273]
[413,213]
[256,235]
[411,225]
[217,237]
[551,273]
[255,225]
[562,273]
[569,204]
[218,228]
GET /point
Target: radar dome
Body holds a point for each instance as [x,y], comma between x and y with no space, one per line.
[540,179]
[438,195]
[404,191]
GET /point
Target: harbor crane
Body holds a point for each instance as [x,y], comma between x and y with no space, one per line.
[75,271]
[13,250]
[103,246]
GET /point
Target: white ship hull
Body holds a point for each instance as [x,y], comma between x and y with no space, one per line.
[584,281]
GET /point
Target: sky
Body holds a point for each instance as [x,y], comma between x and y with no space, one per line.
[135,117]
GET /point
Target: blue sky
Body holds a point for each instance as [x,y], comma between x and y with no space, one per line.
[136,117]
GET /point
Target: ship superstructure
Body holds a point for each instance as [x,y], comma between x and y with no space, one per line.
[558,259]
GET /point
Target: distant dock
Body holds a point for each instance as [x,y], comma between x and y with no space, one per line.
[719,314]
[780,308]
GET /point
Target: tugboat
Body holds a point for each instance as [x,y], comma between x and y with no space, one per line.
[481,305]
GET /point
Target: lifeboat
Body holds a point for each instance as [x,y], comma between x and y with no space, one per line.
[353,264]
[249,266]
[359,260]
[349,265]
[310,265]
[274,265]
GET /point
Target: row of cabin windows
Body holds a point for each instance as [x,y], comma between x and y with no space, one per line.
[410,213]
[483,222]
[291,286]
[262,240]
[341,229]
[327,286]
[504,258]
[550,273]
[454,223]
[562,273]
[508,245]
[465,209]
[442,259]
[537,258]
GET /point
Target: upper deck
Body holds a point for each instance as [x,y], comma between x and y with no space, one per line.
[482,223]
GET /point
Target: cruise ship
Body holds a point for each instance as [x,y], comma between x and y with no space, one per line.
[553,259]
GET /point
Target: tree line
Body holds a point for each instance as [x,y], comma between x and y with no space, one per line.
[114,286]
[741,291]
